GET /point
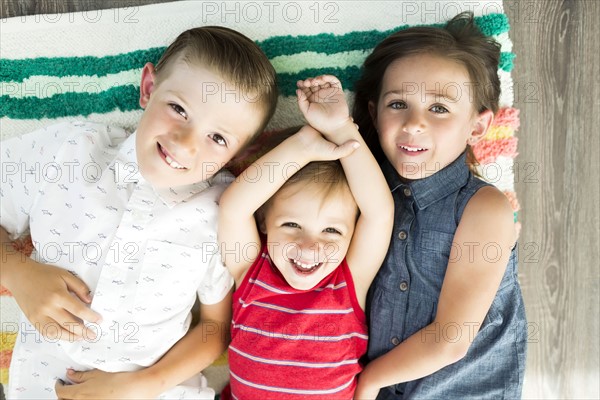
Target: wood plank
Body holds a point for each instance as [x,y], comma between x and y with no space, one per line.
[556,89]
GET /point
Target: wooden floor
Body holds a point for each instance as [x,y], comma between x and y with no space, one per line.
[557,81]
[557,90]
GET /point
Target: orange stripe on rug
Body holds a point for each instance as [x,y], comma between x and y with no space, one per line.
[487,151]
[509,117]
[5,356]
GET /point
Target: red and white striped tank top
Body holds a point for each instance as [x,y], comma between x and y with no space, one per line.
[293,344]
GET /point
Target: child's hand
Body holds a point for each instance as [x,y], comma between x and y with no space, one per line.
[50,296]
[313,144]
[323,103]
[96,384]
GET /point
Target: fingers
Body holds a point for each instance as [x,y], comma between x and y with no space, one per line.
[322,81]
[77,286]
[61,325]
[346,148]
[311,86]
[80,310]
[76,329]
[79,376]
[61,389]
[303,102]
[62,315]
[71,391]
[52,329]
[73,305]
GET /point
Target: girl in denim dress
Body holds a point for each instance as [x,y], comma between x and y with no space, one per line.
[445,310]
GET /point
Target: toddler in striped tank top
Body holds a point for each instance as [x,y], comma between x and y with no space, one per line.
[303,266]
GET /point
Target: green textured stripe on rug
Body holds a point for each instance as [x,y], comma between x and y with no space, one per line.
[490,25]
[18,70]
[123,98]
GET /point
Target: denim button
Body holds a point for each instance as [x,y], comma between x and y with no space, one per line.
[407,192]
[395,341]
[404,286]
[402,235]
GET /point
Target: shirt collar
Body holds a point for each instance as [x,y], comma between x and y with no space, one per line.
[435,187]
[127,171]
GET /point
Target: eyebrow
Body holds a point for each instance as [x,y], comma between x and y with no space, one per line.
[440,95]
[428,92]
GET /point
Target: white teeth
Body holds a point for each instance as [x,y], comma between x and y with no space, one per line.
[304,266]
[412,148]
[173,163]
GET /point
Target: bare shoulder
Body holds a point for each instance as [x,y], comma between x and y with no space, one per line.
[490,199]
[489,212]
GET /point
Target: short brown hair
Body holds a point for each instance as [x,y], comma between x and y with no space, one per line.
[231,55]
[459,40]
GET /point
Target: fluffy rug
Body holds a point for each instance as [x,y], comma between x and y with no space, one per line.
[87,65]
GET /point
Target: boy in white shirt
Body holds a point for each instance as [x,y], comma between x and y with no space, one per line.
[124,228]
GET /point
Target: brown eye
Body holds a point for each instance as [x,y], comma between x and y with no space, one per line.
[218,139]
[178,109]
[397,105]
[439,109]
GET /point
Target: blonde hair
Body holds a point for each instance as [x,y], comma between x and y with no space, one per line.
[324,177]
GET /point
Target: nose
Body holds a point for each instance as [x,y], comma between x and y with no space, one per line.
[307,249]
[414,123]
[184,140]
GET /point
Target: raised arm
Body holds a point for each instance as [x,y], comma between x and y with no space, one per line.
[323,104]
[238,234]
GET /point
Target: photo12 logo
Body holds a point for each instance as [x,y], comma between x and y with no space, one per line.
[290,12]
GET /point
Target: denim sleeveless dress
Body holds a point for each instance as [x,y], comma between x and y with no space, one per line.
[403,297]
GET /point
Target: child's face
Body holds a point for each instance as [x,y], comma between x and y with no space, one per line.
[308,233]
[194,122]
[425,115]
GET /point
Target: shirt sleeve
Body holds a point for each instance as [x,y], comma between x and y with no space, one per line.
[28,162]
[218,281]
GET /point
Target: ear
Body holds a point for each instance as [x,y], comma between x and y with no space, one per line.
[147,84]
[483,121]
[373,112]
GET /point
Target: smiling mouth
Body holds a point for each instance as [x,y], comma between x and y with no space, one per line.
[303,268]
[411,150]
[168,159]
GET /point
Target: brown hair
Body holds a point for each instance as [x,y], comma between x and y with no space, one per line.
[231,55]
[459,40]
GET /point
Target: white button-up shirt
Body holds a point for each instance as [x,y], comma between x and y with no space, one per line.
[144,253]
